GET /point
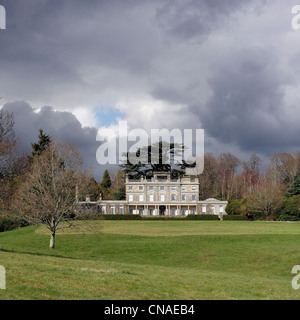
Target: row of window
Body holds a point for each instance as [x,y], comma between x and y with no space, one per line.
[162,197]
[141,188]
[212,209]
[141,211]
[182,212]
[172,211]
[112,209]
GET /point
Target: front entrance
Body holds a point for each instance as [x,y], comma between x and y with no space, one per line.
[162,210]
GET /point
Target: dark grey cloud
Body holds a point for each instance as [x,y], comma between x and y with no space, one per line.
[196,19]
[62,45]
[62,126]
[230,67]
[247,105]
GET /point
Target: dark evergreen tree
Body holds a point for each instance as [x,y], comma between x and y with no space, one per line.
[120,194]
[105,185]
[158,157]
[106,181]
[293,188]
[41,145]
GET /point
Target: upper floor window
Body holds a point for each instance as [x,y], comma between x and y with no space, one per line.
[141,188]
[173,197]
[141,197]
[194,188]
[183,197]
[130,197]
[162,197]
[193,197]
[161,188]
[173,188]
[129,187]
[151,188]
[151,197]
[183,188]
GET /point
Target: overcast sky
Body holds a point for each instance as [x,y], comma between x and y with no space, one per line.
[230,67]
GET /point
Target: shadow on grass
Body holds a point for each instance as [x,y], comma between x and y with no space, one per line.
[39,254]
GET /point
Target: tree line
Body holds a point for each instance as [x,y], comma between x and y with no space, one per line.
[44,185]
[269,192]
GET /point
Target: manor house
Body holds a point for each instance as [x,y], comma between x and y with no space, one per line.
[162,195]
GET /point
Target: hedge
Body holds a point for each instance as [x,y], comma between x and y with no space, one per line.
[121,217]
[138,217]
[239,217]
[163,218]
[202,217]
[149,218]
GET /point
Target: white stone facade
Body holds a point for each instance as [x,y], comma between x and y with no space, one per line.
[163,196]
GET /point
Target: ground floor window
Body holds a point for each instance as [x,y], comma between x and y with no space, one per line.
[151,212]
[121,209]
[112,209]
[141,211]
[130,211]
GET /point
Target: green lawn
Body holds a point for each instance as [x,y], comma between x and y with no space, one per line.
[154,260]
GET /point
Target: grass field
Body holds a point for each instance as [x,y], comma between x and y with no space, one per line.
[154,260]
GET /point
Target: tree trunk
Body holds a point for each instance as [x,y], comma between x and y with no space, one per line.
[52,240]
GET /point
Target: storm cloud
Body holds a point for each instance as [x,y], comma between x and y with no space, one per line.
[229,67]
[60,125]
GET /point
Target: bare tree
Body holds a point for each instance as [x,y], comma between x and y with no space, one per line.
[266,198]
[48,195]
[228,165]
[250,174]
[7,142]
[209,178]
[118,182]
[10,164]
[284,167]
